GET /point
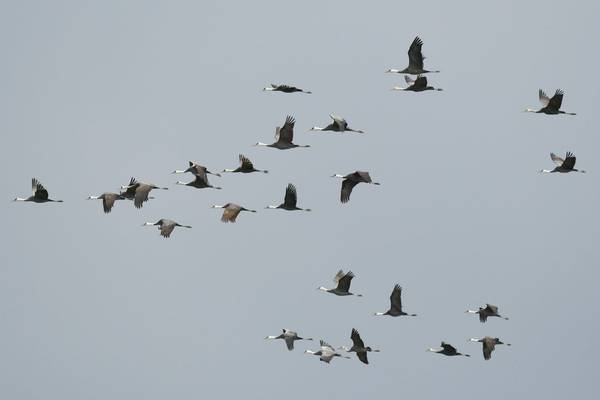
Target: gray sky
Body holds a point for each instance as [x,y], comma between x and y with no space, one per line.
[97,307]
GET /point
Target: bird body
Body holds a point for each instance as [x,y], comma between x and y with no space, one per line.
[447,350]
[415,60]
[563,165]
[416,85]
[343,280]
[231,211]
[289,337]
[351,180]
[290,200]
[284,136]
[284,89]
[108,200]
[326,353]
[396,304]
[165,226]
[550,106]
[196,169]
[339,124]
[245,167]
[138,191]
[39,194]
[489,345]
[488,310]
[358,347]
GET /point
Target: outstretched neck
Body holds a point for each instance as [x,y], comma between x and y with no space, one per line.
[316,128]
[261,144]
[21,199]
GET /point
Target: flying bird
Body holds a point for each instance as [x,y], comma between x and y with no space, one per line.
[351,180]
[165,226]
[289,337]
[489,344]
[358,347]
[550,106]
[339,124]
[201,178]
[488,310]
[416,85]
[396,304]
[231,211]
[563,165]
[40,194]
[284,89]
[343,281]
[284,136]
[290,200]
[138,192]
[447,350]
[196,169]
[108,200]
[415,60]
[326,353]
[245,167]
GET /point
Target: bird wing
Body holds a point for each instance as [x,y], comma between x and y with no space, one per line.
[488,347]
[415,57]
[286,132]
[201,180]
[141,195]
[544,99]
[569,161]
[39,191]
[166,229]
[364,176]
[448,347]
[362,356]
[344,281]
[230,213]
[291,198]
[109,201]
[326,346]
[491,308]
[396,298]
[245,162]
[556,159]
[347,186]
[420,82]
[339,121]
[339,275]
[556,100]
[289,342]
[410,81]
[356,340]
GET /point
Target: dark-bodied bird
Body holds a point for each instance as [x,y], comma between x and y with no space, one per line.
[415,60]
[200,182]
[351,180]
[284,89]
[343,281]
[326,353]
[165,226]
[245,167]
[489,344]
[108,200]
[563,165]
[358,347]
[416,85]
[231,211]
[284,136]
[138,192]
[488,310]
[290,200]
[196,169]
[339,124]
[289,337]
[447,350]
[396,304]
[40,194]
[550,106]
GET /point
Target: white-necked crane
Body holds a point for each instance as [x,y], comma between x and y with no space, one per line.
[245,167]
[488,310]
[563,165]
[489,344]
[416,85]
[358,347]
[201,177]
[290,200]
[289,337]
[415,60]
[339,124]
[231,211]
[351,180]
[196,169]
[343,280]
[138,191]
[396,304]
[40,194]
[550,106]
[284,136]
[447,350]
[284,89]
[326,353]
[108,200]
[165,226]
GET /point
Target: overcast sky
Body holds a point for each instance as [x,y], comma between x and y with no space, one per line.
[96,306]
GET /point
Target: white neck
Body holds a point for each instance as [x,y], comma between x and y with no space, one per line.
[309,352]
[20,199]
[316,128]
[93,198]
[471,312]
[324,289]
[530,110]
[271,207]
[228,170]
[475,340]
[180,183]
[269,89]
[177,171]
[261,144]
[398,88]
[393,70]
[432,350]
[216,206]
[379,313]
[338,176]
[271,337]
[149,224]
[546,171]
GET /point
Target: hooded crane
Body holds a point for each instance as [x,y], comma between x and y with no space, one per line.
[284,136]
[245,167]
[415,60]
[165,226]
[326,353]
[550,106]
[284,89]
[563,165]
[447,350]
[40,194]
[396,304]
[196,169]
[416,85]
[108,200]
[351,180]
[343,281]
[488,310]
[489,344]
[201,176]
[339,124]
[289,337]
[138,192]
[231,211]
[358,347]
[290,200]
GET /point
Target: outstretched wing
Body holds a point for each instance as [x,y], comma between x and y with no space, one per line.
[165,230]
[344,282]
[364,176]
[488,347]
[396,298]
[415,57]
[230,213]
[356,340]
[326,345]
[410,81]
[339,121]
[286,132]
[544,99]
[245,162]
[556,100]
[291,197]
[347,186]
[39,191]
[492,309]
[556,159]
[362,356]
[109,201]
[141,195]
[448,347]
[420,82]
[569,161]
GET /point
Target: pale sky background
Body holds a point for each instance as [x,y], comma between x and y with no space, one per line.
[94,306]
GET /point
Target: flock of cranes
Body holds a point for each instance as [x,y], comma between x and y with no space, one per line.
[139,193]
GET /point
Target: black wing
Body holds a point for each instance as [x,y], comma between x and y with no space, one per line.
[488,347]
[347,186]
[420,82]
[556,100]
[362,356]
[356,340]
[39,191]
[396,298]
[291,197]
[448,347]
[415,57]
[344,282]
[569,161]
[363,176]
[286,132]
[245,163]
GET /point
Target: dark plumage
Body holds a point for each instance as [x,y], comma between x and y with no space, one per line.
[231,211]
[284,89]
[415,60]
[396,304]
[550,106]
[284,136]
[166,226]
[343,280]
[290,200]
[245,167]
[563,165]
[448,350]
[40,194]
[108,200]
[352,180]
[416,85]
